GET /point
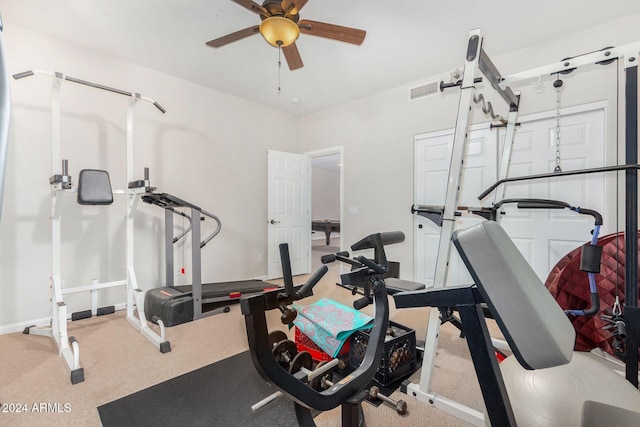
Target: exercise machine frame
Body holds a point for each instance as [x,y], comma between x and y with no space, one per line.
[477,60]
[347,393]
[60,181]
[169,203]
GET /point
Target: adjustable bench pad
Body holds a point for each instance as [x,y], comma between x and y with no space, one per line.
[535,327]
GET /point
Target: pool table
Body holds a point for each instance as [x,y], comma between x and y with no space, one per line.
[326,225]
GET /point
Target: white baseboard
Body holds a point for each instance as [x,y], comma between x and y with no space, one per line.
[19,327]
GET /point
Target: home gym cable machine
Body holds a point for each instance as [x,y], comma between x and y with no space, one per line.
[61,184]
[477,60]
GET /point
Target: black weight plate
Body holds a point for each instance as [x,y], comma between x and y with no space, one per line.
[276,336]
[284,352]
[302,360]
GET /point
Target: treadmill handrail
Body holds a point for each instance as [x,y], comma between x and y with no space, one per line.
[169,201]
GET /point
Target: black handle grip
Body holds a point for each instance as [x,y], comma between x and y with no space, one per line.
[540,205]
[286,269]
[362,303]
[372,240]
[23,74]
[595,305]
[621,330]
[329,258]
[307,289]
[595,214]
[372,265]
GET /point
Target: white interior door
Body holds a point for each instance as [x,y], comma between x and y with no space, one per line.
[289,213]
[543,236]
[432,158]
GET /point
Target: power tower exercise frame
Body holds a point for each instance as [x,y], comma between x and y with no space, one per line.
[60,182]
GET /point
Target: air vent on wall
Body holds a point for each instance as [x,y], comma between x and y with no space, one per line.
[424,90]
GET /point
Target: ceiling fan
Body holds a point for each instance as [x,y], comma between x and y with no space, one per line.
[281,25]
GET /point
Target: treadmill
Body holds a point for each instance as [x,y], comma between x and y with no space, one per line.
[175,305]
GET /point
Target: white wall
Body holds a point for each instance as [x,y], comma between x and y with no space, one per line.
[209,148]
[377,132]
[325,193]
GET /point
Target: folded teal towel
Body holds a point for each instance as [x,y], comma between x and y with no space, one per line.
[329,324]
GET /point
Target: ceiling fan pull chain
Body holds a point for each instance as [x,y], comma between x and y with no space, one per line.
[279,63]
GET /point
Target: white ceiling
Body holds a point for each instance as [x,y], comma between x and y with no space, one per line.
[407,40]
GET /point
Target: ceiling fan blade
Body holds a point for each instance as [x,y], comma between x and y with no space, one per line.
[238,35]
[252,6]
[295,6]
[331,31]
[292,56]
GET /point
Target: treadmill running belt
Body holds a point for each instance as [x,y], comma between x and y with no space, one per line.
[215,290]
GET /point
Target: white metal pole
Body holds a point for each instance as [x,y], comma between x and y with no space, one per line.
[423,390]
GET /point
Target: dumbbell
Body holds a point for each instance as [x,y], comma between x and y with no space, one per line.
[275,337]
[286,354]
[322,382]
[374,394]
[401,405]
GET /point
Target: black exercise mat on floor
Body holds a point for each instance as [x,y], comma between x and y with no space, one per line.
[220,394]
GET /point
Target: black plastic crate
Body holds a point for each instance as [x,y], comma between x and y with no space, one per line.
[398,356]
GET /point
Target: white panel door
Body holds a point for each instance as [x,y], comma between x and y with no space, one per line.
[543,236]
[289,214]
[432,162]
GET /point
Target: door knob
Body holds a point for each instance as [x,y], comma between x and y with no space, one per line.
[273,221]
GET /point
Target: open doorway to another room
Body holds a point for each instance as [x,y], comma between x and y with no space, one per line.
[326,203]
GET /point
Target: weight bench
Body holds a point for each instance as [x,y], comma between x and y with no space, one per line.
[395,285]
[538,332]
[392,282]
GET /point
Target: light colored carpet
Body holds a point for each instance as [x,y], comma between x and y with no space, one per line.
[118,361]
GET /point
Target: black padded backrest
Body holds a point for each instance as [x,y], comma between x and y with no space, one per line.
[387,238]
[94,187]
[534,325]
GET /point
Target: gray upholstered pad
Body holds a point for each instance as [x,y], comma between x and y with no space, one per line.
[94,187]
[400,285]
[535,327]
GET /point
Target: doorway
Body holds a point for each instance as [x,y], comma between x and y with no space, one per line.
[327,182]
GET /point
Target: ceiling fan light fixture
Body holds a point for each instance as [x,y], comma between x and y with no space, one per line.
[279,31]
